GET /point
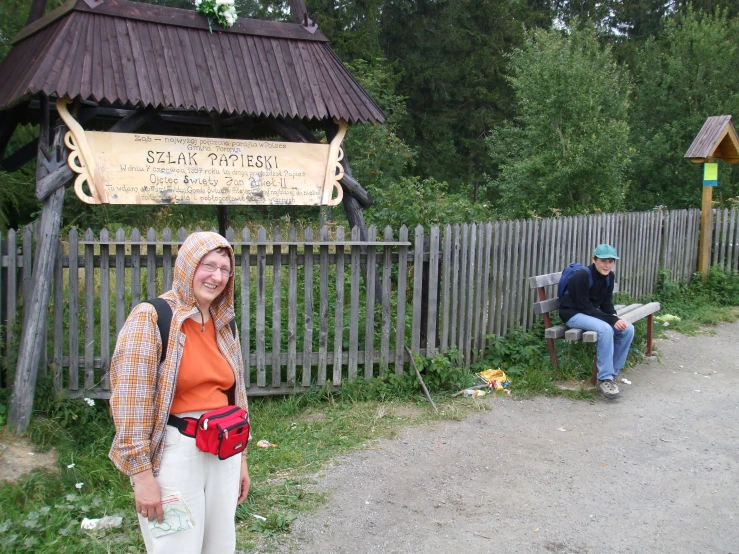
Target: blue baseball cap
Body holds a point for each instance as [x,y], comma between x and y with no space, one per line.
[605,251]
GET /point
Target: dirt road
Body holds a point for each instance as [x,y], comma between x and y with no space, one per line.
[653,472]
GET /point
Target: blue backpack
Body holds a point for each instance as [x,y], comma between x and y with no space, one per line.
[569,271]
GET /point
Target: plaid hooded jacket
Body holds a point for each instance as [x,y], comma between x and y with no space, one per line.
[142,388]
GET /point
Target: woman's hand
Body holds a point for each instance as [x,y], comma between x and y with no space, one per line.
[148,496]
[244,481]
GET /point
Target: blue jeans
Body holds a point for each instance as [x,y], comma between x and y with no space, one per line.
[613,345]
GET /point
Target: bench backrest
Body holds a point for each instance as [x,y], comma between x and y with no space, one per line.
[546,305]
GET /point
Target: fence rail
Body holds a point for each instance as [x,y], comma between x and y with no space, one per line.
[321,307]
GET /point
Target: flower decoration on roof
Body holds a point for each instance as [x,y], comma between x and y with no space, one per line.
[221,11]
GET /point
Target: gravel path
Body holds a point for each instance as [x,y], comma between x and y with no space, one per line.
[652,472]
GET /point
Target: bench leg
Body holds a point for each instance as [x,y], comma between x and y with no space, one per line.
[552,352]
[650,325]
[547,325]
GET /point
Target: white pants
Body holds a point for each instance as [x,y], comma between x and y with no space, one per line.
[209,487]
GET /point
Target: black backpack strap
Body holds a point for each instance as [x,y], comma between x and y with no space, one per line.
[164,322]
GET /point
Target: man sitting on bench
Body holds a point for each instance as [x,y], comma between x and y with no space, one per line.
[587,304]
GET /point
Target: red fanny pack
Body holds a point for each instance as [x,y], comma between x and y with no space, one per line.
[223,432]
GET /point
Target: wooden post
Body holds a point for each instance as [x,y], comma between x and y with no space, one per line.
[34,329]
[704,243]
[216,124]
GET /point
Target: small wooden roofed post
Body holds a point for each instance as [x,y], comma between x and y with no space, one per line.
[717,140]
[151,68]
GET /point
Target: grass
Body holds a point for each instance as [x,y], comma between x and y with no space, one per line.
[42,511]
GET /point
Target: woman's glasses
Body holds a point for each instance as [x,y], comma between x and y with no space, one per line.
[225,273]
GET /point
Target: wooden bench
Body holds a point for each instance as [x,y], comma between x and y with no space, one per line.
[631,313]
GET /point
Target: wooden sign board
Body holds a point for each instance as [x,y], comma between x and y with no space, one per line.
[118,168]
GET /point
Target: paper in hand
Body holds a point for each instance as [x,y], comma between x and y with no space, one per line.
[177,517]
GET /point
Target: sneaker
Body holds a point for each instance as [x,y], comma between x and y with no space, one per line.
[609,389]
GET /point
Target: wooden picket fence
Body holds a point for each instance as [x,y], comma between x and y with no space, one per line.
[320,307]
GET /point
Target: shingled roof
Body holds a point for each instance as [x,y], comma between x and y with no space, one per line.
[716,139]
[132,54]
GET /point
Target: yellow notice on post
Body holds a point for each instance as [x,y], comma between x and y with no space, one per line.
[710,174]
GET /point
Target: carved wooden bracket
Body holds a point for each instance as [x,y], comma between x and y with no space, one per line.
[81,159]
[334,170]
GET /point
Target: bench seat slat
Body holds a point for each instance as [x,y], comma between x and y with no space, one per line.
[642,312]
[631,313]
[578,334]
[555,332]
[626,309]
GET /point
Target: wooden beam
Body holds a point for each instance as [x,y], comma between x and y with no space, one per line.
[20,157]
[134,121]
[52,181]
[8,123]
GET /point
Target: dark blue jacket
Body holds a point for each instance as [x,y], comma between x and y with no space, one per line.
[595,301]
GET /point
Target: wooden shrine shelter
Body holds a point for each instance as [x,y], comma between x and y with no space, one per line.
[717,140]
[133,67]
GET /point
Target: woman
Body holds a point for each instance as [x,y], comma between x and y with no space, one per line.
[203,370]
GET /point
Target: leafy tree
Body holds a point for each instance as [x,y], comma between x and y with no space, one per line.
[453,60]
[353,26]
[413,201]
[379,158]
[568,149]
[683,77]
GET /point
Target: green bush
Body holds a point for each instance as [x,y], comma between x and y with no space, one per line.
[720,288]
[702,302]
[515,353]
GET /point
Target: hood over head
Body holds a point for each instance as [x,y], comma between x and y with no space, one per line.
[195,247]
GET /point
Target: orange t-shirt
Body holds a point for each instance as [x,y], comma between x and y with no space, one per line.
[204,375]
